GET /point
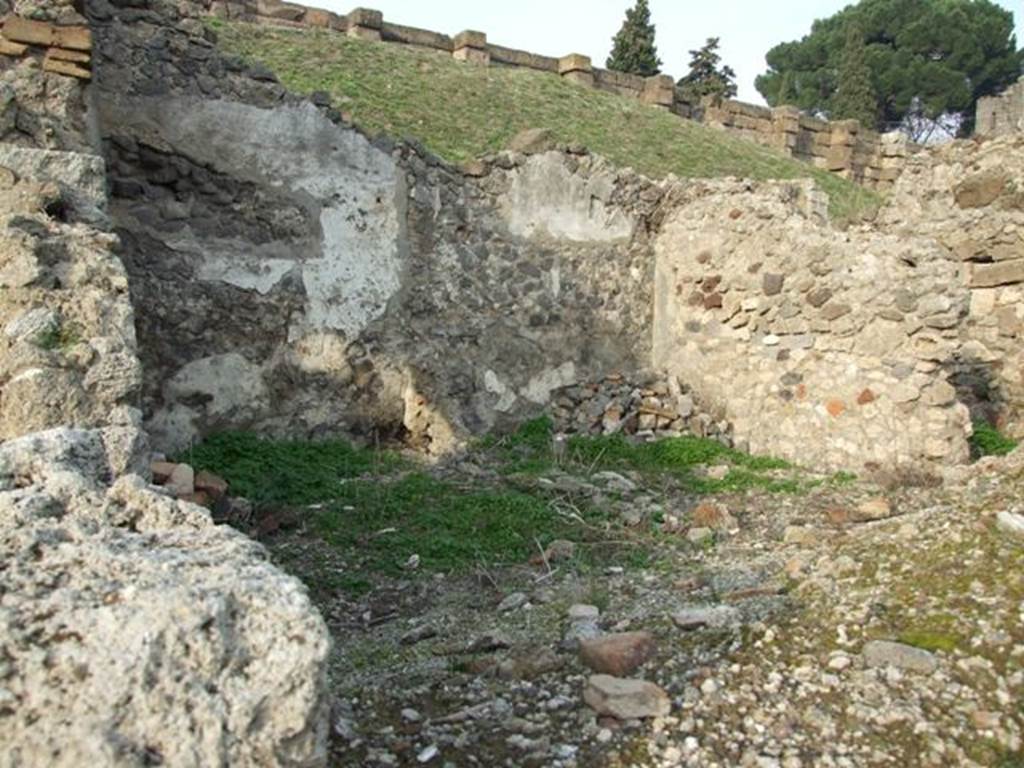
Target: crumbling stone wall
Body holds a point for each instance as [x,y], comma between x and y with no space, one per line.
[820,346]
[132,627]
[1001,114]
[968,196]
[45,58]
[294,277]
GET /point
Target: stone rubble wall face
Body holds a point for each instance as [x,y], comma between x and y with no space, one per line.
[301,279]
[841,147]
[1002,114]
[821,347]
[968,196]
[343,285]
[133,630]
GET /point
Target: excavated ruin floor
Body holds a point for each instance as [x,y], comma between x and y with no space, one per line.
[477,667]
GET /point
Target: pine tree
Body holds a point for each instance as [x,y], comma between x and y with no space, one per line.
[707,77]
[633,48]
[855,97]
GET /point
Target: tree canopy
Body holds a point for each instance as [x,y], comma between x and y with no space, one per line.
[927,59]
[707,76]
[633,48]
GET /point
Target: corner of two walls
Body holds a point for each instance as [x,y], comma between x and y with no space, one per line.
[294,277]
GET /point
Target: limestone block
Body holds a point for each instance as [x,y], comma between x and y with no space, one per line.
[660,91]
[577,69]
[63,54]
[66,68]
[160,614]
[26,31]
[840,158]
[316,17]
[844,132]
[574,62]
[7,48]
[471,46]
[365,24]
[1001,273]
[75,38]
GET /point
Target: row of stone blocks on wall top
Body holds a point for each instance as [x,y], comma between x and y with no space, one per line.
[469,45]
[838,146]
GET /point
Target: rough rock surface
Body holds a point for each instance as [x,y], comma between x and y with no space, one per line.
[67,348]
[134,631]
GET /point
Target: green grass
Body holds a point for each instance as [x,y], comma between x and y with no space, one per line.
[284,472]
[378,509]
[530,450]
[451,528]
[58,336]
[461,112]
[989,441]
[930,641]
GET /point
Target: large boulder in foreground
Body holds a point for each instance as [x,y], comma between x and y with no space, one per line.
[133,631]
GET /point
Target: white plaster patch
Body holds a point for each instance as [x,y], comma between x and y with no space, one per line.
[260,276]
[233,385]
[506,397]
[297,149]
[546,199]
[351,284]
[540,387]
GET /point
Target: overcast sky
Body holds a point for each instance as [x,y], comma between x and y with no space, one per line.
[748,28]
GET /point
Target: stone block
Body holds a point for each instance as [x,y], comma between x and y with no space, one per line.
[576,68]
[366,17]
[472,55]
[471,46]
[844,132]
[659,91]
[574,62]
[365,24]
[75,38]
[839,158]
[1001,273]
[7,48]
[316,17]
[26,31]
[78,57]
[470,39]
[67,68]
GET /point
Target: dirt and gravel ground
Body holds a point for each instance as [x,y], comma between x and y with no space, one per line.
[863,622]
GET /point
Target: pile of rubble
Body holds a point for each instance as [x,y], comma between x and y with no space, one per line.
[648,406]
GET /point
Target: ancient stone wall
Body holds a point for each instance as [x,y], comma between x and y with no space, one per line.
[130,622]
[841,147]
[294,277]
[1002,114]
[968,196]
[818,345]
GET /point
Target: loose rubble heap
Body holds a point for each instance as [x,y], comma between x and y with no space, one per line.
[648,407]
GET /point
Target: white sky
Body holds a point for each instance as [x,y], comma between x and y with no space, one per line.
[748,28]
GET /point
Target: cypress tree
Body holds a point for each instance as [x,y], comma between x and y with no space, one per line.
[633,49]
[706,76]
[787,93]
[855,97]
